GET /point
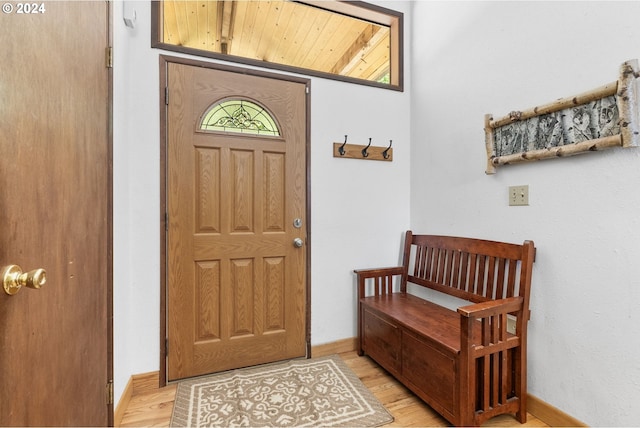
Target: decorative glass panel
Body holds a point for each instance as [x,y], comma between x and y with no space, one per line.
[240,116]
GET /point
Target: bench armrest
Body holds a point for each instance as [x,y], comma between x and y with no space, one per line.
[492,308]
[371,273]
[382,279]
[485,347]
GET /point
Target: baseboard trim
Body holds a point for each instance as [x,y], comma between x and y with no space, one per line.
[135,385]
[123,403]
[551,415]
[344,345]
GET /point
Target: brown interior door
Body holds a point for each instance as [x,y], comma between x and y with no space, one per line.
[236,240]
[55,190]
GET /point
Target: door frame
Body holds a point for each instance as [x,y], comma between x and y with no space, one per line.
[110,370]
[164,61]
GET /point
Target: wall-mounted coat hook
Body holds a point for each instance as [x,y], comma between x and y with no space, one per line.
[341,149]
[385,153]
[364,152]
[359,151]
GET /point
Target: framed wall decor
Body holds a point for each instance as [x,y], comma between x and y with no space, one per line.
[599,119]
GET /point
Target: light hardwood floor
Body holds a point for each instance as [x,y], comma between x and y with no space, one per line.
[150,406]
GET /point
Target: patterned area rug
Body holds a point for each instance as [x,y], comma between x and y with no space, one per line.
[314,392]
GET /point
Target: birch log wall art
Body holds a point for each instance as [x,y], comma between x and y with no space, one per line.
[599,119]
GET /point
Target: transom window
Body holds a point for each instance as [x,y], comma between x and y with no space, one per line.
[343,40]
[239,116]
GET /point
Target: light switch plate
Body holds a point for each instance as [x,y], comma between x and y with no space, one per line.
[518,195]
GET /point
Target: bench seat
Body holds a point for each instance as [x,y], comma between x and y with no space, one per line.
[465,363]
[442,325]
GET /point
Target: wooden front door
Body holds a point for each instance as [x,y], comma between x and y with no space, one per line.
[55,187]
[236,209]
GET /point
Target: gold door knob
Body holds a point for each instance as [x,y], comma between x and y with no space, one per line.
[13,279]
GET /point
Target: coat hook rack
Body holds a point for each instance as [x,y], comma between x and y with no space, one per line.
[358,151]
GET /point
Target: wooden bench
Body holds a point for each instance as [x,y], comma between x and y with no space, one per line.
[468,365]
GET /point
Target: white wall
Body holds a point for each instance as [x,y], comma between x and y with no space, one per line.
[359,208]
[472,58]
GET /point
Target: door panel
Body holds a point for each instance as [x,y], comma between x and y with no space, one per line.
[236,284]
[55,189]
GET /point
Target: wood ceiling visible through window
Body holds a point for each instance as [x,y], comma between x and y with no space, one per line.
[351,41]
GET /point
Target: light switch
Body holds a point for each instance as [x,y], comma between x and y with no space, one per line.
[518,195]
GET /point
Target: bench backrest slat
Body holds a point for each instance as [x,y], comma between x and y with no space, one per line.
[472,269]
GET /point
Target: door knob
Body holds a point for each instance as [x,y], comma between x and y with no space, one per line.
[13,279]
[298,242]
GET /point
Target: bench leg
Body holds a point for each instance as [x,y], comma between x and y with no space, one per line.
[359,349]
[521,415]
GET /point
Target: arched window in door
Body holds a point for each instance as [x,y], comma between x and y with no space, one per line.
[239,116]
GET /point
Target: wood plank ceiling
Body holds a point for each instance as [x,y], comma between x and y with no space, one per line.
[283,32]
